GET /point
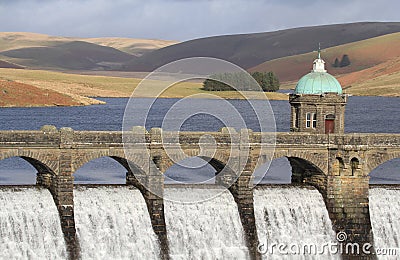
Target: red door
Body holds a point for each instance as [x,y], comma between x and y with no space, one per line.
[329,126]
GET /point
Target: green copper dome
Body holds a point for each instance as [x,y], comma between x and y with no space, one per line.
[318,83]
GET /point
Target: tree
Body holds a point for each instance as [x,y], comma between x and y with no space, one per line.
[336,64]
[240,81]
[269,82]
[345,61]
[273,82]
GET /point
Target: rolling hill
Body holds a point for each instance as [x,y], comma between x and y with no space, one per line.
[249,50]
[136,47]
[374,68]
[362,54]
[41,51]
[75,55]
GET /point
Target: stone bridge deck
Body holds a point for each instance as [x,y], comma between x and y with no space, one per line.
[337,165]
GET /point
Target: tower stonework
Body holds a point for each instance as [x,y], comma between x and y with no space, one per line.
[317,104]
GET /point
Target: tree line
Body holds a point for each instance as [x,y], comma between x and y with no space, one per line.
[268,82]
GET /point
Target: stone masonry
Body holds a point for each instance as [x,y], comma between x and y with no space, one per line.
[337,165]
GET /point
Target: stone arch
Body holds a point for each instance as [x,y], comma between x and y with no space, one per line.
[134,173]
[138,163]
[164,162]
[375,160]
[303,170]
[39,160]
[316,159]
[224,175]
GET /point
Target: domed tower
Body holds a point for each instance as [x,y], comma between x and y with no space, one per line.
[318,103]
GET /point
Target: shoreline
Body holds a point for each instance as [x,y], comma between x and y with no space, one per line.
[101,102]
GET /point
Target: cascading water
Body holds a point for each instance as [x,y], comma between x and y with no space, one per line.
[210,229]
[30,225]
[295,217]
[384,207]
[113,223]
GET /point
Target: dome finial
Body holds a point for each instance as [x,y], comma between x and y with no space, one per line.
[319,64]
[319,50]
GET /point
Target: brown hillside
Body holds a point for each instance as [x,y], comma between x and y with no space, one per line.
[382,79]
[363,54]
[249,50]
[386,68]
[14,94]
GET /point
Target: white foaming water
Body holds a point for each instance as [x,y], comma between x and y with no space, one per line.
[30,225]
[384,207]
[113,223]
[204,230]
[292,216]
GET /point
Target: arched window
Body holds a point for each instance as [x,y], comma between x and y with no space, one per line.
[341,165]
[354,166]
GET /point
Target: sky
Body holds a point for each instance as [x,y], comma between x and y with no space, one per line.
[183,19]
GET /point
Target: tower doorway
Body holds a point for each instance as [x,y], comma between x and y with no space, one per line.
[330,124]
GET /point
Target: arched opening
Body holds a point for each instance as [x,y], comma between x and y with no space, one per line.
[354,163]
[24,170]
[278,172]
[341,165]
[194,170]
[386,173]
[104,170]
[286,170]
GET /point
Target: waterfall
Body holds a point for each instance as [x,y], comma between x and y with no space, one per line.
[114,223]
[30,225]
[210,229]
[384,206]
[295,217]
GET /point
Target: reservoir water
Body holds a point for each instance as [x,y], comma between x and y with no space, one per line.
[114,222]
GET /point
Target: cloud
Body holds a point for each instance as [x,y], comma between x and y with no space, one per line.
[183,19]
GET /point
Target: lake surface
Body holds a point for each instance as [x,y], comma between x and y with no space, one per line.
[363,115]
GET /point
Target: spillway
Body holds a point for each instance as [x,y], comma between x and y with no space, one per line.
[384,206]
[30,225]
[292,216]
[114,223]
[210,229]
